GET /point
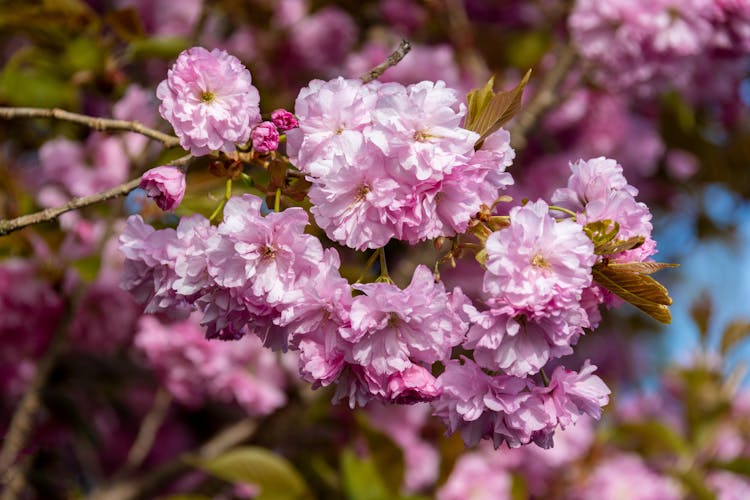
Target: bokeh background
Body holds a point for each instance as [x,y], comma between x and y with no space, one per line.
[661,86]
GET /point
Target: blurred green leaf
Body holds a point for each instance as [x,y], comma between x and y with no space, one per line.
[83,53]
[739,465]
[126,23]
[160,47]
[275,475]
[36,87]
[734,333]
[655,435]
[387,457]
[361,478]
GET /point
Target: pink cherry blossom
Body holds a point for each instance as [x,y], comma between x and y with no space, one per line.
[209,100]
[265,137]
[166,185]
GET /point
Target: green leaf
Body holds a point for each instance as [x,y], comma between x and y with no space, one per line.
[491,114]
[477,100]
[739,465]
[386,455]
[275,475]
[361,478]
[641,290]
[656,436]
[160,47]
[734,333]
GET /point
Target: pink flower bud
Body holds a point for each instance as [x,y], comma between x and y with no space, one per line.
[265,137]
[166,185]
[284,120]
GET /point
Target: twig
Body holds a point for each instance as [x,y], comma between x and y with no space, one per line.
[22,421]
[545,97]
[93,122]
[14,481]
[139,487]
[150,426]
[48,214]
[403,48]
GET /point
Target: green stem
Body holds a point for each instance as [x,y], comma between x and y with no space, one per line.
[545,379]
[223,202]
[277,201]
[368,265]
[564,210]
[384,276]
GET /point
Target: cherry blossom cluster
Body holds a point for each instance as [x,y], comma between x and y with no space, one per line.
[648,45]
[389,161]
[194,368]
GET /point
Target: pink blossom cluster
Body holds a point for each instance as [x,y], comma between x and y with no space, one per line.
[210,101]
[536,272]
[649,46]
[195,369]
[263,275]
[30,312]
[516,410]
[389,161]
[597,190]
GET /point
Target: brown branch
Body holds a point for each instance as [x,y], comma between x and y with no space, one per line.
[48,214]
[403,48]
[22,421]
[93,122]
[150,426]
[127,489]
[544,98]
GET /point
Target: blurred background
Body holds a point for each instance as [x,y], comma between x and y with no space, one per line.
[137,407]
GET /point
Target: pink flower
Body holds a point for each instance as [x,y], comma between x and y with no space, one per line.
[391,328]
[209,99]
[165,185]
[195,369]
[537,265]
[265,137]
[615,476]
[570,394]
[284,120]
[476,477]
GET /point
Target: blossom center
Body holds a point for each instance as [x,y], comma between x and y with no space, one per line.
[539,261]
[269,252]
[423,136]
[207,96]
[362,193]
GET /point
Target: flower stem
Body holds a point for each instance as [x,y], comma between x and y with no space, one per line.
[384,276]
[368,265]
[223,202]
[564,210]
[277,201]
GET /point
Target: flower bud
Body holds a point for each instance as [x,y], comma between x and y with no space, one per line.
[165,185]
[284,120]
[265,137]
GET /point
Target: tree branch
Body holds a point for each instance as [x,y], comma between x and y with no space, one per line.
[126,489]
[48,214]
[22,421]
[546,95]
[93,122]
[403,48]
[150,426]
